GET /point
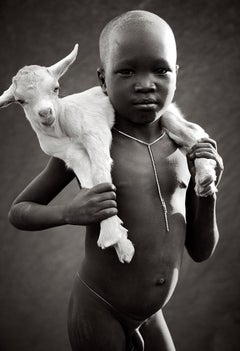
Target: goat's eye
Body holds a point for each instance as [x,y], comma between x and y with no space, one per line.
[20,101]
[56,89]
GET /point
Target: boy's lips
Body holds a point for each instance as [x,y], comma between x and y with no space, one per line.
[146,104]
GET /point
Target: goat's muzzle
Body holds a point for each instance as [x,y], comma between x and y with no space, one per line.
[46,115]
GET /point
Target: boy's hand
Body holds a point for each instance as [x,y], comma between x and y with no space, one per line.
[92,205]
[205,148]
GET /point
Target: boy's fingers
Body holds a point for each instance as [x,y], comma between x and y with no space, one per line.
[207,182]
[103,187]
[208,140]
[206,192]
[108,195]
[202,154]
[108,204]
[203,149]
[106,213]
[199,146]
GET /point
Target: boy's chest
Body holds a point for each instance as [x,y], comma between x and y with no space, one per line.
[136,166]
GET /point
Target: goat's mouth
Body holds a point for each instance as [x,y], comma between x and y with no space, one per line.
[48,121]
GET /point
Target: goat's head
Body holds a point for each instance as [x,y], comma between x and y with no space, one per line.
[36,89]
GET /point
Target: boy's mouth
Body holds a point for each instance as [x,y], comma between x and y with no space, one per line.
[146,104]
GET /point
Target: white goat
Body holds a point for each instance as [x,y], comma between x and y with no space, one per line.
[77,129]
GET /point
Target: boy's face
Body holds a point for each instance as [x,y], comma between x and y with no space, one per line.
[140,75]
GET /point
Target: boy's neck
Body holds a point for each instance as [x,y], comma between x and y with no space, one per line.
[148,132]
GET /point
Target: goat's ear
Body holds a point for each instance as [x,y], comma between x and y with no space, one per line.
[61,67]
[7,97]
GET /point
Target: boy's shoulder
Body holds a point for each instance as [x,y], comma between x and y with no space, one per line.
[57,168]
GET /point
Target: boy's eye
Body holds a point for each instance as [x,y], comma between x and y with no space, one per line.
[162,70]
[56,90]
[126,72]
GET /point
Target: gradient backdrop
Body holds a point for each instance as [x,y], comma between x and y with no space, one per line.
[37,268]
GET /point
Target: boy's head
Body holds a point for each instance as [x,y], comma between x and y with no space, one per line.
[138,65]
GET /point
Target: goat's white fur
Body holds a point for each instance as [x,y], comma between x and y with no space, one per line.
[186,134]
[77,129]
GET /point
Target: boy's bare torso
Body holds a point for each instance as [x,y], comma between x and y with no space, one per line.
[143,286]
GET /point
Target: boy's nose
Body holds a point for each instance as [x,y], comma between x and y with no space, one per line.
[145,86]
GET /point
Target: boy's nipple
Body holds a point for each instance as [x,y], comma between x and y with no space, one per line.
[160,281]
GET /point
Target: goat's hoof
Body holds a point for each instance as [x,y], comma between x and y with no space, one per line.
[200,190]
[125,250]
[104,244]
[110,233]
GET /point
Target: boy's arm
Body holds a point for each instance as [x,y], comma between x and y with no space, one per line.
[31,209]
[202,231]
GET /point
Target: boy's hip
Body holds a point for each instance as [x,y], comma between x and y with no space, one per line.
[86,305]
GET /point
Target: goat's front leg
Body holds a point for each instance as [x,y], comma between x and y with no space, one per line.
[112,233]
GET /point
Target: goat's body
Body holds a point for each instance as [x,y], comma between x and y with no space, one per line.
[81,137]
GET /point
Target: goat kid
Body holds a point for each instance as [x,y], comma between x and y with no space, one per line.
[77,129]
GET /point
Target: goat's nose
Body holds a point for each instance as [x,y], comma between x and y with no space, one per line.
[47,112]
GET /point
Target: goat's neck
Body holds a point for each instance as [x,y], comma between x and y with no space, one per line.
[69,119]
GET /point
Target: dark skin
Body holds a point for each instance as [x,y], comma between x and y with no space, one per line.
[134,70]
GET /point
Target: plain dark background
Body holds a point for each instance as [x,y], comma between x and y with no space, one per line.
[37,268]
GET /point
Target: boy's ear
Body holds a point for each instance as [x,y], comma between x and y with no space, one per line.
[177,68]
[102,81]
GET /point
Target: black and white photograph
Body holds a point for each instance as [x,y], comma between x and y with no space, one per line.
[119,182]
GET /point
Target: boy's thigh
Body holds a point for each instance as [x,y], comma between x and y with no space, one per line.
[92,327]
[156,334]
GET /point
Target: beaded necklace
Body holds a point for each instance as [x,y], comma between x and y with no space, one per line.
[163,203]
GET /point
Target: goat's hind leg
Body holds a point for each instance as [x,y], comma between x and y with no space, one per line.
[187,134]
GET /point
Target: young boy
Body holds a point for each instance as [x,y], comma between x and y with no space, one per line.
[117,306]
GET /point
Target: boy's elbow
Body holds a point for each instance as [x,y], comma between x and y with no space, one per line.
[201,244]
[200,255]
[14,217]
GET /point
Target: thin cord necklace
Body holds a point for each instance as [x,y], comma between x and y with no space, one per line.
[163,203]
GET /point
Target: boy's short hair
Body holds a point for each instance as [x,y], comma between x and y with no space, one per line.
[138,17]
